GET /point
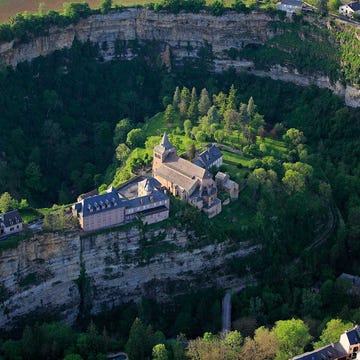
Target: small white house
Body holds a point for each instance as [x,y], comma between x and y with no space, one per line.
[10,223]
[290,6]
[350,8]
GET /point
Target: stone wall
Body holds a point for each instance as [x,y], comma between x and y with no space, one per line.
[41,275]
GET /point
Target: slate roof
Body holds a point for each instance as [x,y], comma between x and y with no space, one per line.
[145,200]
[150,184]
[214,203]
[328,352]
[165,142]
[208,157]
[164,145]
[11,218]
[101,203]
[292,2]
[112,200]
[353,336]
[354,5]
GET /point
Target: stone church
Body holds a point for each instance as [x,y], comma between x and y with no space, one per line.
[185,179]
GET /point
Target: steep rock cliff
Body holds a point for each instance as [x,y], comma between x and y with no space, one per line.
[177,36]
[185,33]
[42,275]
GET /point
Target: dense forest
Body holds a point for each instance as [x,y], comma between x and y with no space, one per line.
[60,124]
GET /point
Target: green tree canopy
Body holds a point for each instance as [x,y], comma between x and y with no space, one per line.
[294,137]
[159,352]
[139,344]
[292,335]
[331,334]
[7,203]
[121,130]
[135,138]
[294,181]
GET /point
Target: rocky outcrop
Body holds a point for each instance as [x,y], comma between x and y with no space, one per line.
[175,37]
[348,92]
[42,275]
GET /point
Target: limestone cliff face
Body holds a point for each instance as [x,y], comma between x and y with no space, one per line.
[185,33]
[41,275]
[177,37]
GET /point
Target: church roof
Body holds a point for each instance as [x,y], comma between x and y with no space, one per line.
[181,172]
[165,142]
[183,181]
[185,167]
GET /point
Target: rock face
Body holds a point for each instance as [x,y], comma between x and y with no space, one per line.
[177,36]
[42,275]
[184,33]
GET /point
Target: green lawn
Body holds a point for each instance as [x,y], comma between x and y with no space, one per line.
[155,126]
[235,158]
[276,145]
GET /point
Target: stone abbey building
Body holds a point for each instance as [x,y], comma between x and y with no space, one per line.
[187,180]
[150,204]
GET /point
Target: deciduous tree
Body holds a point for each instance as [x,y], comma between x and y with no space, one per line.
[292,335]
[331,334]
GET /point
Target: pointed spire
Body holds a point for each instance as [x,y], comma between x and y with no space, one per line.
[165,142]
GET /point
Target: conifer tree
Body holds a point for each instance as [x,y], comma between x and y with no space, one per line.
[204,102]
[169,114]
[184,101]
[231,100]
[251,108]
[244,116]
[219,101]
[192,112]
[176,98]
[213,115]
[139,342]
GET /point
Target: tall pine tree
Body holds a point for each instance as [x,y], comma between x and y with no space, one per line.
[204,102]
